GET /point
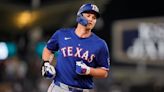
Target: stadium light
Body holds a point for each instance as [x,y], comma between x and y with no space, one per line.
[25,18]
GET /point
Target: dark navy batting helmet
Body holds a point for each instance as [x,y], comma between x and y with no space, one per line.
[87,8]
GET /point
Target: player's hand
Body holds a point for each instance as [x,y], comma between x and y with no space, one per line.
[48,71]
[82,68]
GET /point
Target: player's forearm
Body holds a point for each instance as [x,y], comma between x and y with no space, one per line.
[47,55]
[98,72]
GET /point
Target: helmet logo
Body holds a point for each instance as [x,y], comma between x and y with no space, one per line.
[94,7]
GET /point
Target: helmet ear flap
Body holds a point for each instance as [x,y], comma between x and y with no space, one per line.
[80,19]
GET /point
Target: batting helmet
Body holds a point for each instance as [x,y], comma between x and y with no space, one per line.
[86,8]
[89,7]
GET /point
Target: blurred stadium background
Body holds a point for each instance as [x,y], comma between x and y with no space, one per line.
[133,30]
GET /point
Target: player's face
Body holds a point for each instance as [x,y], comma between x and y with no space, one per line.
[91,17]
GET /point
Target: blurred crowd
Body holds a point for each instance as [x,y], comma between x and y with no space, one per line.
[17,75]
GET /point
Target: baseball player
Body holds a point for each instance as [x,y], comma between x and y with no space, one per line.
[82,55]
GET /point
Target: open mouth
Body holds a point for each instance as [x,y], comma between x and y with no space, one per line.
[89,23]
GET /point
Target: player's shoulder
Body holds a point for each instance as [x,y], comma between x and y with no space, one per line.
[64,30]
[99,40]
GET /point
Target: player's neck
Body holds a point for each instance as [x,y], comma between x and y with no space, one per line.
[82,32]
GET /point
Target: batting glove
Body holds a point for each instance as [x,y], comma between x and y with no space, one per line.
[82,68]
[48,71]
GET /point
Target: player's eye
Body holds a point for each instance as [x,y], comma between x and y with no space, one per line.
[88,15]
[94,17]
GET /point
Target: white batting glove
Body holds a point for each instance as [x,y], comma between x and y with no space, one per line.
[82,68]
[48,71]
